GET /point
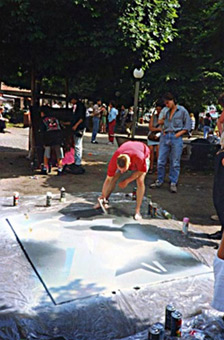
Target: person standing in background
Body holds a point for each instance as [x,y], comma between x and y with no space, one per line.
[153,127]
[96,120]
[176,122]
[78,127]
[104,119]
[220,122]
[112,121]
[207,122]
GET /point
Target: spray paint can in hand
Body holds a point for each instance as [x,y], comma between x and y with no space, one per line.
[15,198]
[185,225]
[169,310]
[48,199]
[176,323]
[62,195]
[134,194]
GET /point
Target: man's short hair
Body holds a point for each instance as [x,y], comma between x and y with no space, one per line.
[169,96]
[122,161]
[73,96]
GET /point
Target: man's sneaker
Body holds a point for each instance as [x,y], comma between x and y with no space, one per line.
[156,184]
[173,188]
[94,142]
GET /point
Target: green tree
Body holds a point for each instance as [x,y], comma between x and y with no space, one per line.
[83,39]
[193,65]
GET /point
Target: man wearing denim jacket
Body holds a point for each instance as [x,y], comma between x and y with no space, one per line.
[176,122]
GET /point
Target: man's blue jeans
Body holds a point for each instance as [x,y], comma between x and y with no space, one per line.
[169,146]
[206,131]
[96,124]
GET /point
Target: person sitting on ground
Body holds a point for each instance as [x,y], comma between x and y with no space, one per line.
[153,127]
[112,121]
[129,156]
[218,265]
[218,189]
[52,138]
[2,121]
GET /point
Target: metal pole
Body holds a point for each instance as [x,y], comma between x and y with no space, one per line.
[137,85]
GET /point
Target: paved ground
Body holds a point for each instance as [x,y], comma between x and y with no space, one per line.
[194,197]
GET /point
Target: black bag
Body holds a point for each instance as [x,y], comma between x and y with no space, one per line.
[154,136]
[79,133]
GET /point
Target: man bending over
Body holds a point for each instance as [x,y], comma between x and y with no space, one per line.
[132,156]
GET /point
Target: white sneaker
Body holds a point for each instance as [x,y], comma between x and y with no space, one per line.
[173,188]
[110,143]
[138,217]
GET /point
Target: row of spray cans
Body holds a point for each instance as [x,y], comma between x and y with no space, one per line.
[173,324]
[153,210]
[48,197]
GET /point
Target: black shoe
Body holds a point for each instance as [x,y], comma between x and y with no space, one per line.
[94,142]
[59,172]
[43,172]
[215,236]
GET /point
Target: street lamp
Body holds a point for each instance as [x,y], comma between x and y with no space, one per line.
[138,73]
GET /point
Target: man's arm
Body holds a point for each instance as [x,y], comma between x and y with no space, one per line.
[106,186]
[74,128]
[130,179]
[186,125]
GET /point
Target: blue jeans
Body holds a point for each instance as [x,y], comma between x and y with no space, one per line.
[96,124]
[78,149]
[206,131]
[169,146]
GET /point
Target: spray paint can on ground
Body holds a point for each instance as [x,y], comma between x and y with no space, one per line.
[48,199]
[176,323]
[185,225]
[169,310]
[154,210]
[161,328]
[149,205]
[15,198]
[167,215]
[134,194]
[62,195]
[153,333]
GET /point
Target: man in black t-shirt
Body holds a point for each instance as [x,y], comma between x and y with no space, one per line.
[78,126]
[52,140]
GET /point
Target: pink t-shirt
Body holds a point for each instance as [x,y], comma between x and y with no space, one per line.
[138,153]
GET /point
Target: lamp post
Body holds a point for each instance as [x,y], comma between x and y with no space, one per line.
[138,73]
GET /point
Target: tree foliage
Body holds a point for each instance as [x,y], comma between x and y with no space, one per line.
[193,65]
[96,40]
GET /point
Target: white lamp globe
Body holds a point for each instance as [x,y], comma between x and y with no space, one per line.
[138,73]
